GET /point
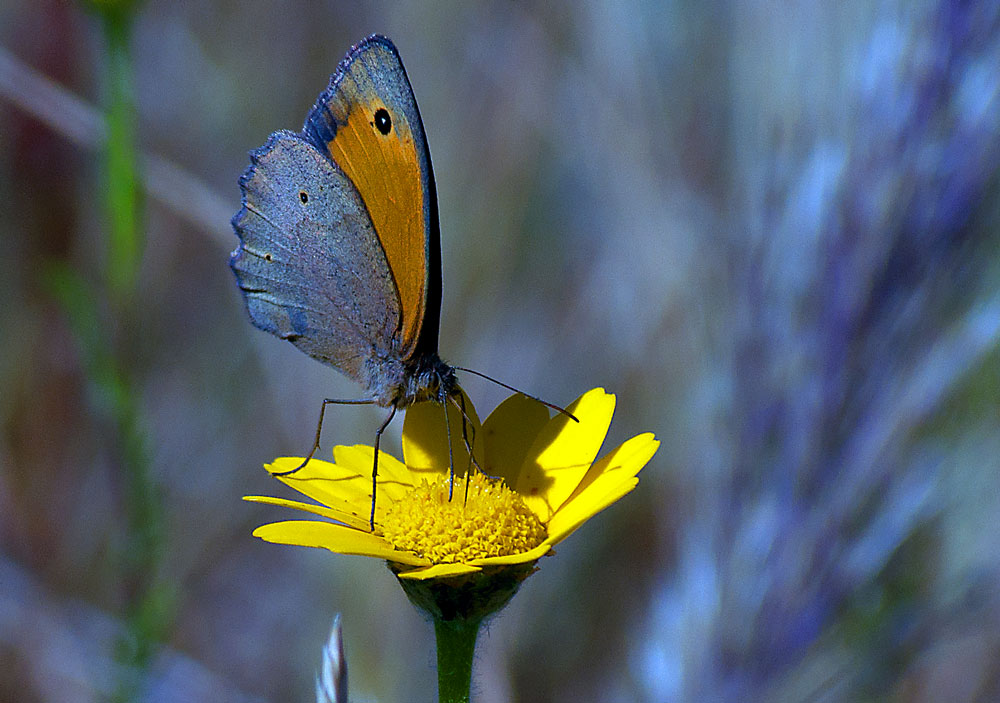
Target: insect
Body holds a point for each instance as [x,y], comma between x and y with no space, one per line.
[340,250]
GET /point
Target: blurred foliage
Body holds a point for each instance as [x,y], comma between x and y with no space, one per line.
[99,320]
[771,229]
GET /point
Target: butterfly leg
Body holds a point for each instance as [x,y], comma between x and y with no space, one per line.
[378,437]
[319,430]
[467,427]
[467,438]
[451,454]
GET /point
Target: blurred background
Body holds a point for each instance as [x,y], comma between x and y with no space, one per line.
[770,228]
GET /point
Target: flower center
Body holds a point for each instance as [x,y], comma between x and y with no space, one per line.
[492,521]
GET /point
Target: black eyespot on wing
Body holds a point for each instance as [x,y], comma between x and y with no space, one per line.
[383,121]
[303,196]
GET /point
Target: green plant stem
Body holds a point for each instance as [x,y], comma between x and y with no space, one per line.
[149,601]
[456,644]
[122,184]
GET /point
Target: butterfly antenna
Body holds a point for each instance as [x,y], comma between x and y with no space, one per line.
[319,430]
[547,404]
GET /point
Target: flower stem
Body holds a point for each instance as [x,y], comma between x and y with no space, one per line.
[456,643]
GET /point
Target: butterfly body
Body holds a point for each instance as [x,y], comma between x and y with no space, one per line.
[398,385]
[339,238]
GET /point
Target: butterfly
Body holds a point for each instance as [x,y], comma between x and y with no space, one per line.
[340,246]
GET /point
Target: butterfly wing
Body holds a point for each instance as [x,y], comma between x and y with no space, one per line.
[309,262]
[367,122]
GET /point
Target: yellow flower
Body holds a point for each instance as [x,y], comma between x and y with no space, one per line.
[538,482]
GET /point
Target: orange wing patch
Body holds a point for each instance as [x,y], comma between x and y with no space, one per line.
[375,147]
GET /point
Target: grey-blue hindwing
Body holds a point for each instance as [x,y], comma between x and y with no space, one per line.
[309,262]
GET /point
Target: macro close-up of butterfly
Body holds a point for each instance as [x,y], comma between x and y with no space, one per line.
[340,250]
[750,254]
[339,241]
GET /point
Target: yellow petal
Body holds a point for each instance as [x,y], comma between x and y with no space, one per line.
[522,558]
[508,434]
[326,483]
[393,478]
[346,485]
[358,458]
[438,571]
[356,521]
[611,477]
[627,459]
[425,438]
[336,538]
[573,515]
[562,453]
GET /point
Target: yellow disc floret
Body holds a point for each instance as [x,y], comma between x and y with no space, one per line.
[489,521]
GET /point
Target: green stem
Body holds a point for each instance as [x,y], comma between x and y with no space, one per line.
[122,185]
[456,643]
[149,601]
